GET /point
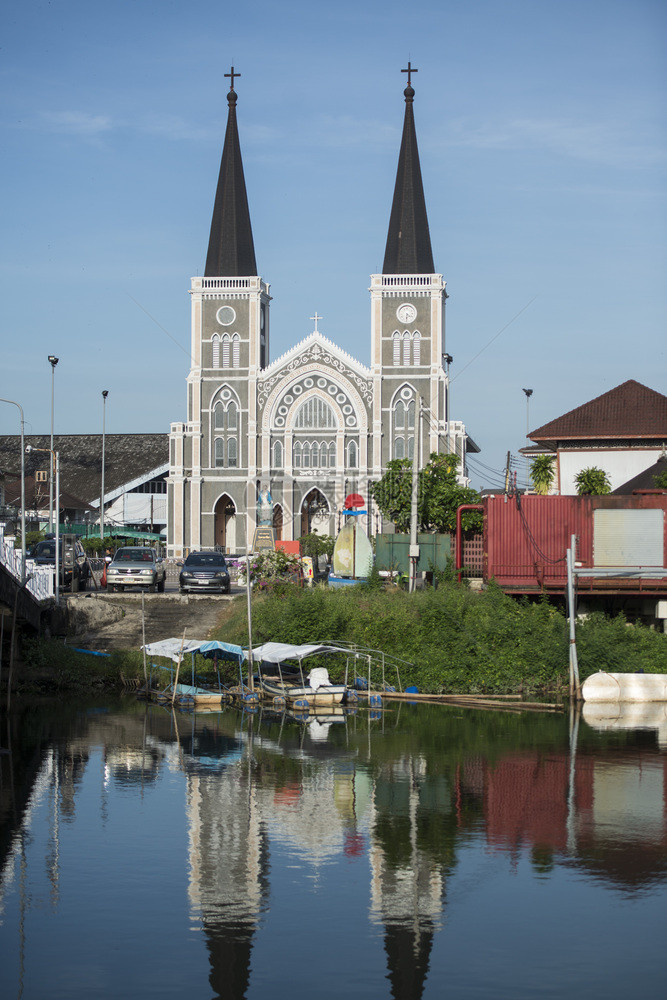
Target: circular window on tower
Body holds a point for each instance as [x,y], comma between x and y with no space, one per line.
[225,315]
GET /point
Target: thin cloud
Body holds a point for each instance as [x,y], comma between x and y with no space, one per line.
[77,123]
[610,143]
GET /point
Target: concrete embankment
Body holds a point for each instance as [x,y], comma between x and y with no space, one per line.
[106,622]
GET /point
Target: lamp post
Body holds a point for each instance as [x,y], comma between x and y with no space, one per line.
[447,360]
[105,393]
[529,393]
[53,361]
[55,462]
[20,409]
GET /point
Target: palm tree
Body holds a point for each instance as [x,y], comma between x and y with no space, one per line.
[542,473]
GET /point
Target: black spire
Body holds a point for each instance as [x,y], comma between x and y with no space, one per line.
[231,251]
[408,249]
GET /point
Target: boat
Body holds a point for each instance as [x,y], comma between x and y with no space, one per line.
[281,675]
[194,693]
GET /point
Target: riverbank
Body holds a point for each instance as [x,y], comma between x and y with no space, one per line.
[455,641]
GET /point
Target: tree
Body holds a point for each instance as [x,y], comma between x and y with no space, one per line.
[315,545]
[439,495]
[542,473]
[661,480]
[592,482]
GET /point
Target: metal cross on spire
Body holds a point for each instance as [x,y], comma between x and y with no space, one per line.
[316,318]
[233,74]
[410,70]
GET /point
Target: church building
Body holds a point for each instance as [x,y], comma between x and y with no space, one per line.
[315,425]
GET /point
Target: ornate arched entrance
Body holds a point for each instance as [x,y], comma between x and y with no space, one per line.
[225,524]
[314,513]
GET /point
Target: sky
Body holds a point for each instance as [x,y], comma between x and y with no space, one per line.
[542,132]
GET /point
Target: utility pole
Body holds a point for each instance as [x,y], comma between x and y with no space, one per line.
[507,474]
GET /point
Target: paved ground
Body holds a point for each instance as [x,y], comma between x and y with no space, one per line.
[106,622]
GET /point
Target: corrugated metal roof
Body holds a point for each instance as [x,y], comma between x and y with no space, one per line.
[128,457]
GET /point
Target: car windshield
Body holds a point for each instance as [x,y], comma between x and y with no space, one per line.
[134,555]
[205,559]
[47,549]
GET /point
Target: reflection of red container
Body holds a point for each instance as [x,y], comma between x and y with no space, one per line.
[103,578]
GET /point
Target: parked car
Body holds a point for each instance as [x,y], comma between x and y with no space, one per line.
[136,566]
[74,565]
[205,570]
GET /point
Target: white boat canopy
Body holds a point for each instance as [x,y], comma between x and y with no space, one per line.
[276,652]
[173,648]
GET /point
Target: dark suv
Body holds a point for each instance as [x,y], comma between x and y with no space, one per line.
[204,571]
[74,565]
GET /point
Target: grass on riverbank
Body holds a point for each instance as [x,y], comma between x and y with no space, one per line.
[459,640]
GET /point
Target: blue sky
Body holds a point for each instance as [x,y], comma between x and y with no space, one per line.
[543,136]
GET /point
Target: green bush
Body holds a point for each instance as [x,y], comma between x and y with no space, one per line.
[457,640]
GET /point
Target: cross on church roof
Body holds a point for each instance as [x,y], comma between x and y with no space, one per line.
[316,317]
[233,74]
[410,70]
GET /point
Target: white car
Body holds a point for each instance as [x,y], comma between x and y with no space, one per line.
[136,566]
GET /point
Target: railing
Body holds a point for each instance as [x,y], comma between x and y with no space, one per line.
[39,579]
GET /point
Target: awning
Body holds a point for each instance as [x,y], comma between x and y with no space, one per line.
[276,652]
[171,648]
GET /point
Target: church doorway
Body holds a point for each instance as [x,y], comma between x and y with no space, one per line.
[278,522]
[225,524]
[315,513]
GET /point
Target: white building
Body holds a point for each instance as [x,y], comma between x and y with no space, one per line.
[314,425]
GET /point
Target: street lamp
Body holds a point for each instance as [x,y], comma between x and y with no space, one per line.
[55,461]
[105,393]
[53,361]
[20,409]
[447,360]
[529,393]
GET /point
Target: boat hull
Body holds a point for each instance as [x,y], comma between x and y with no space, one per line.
[333,694]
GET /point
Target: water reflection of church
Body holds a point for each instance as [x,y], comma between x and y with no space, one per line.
[257,793]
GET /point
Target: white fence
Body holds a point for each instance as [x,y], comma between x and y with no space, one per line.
[39,579]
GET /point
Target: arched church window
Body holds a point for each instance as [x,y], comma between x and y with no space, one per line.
[277,454]
[332,454]
[404,426]
[416,348]
[236,351]
[315,414]
[397,347]
[406,348]
[219,453]
[352,455]
[306,455]
[315,455]
[232,416]
[215,343]
[232,453]
[297,454]
[225,350]
[219,416]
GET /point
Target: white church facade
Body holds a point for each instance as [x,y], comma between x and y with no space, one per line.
[315,425]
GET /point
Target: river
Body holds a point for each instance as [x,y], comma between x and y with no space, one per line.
[421,851]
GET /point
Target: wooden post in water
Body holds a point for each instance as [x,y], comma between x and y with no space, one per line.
[178,667]
[143,641]
[575,687]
